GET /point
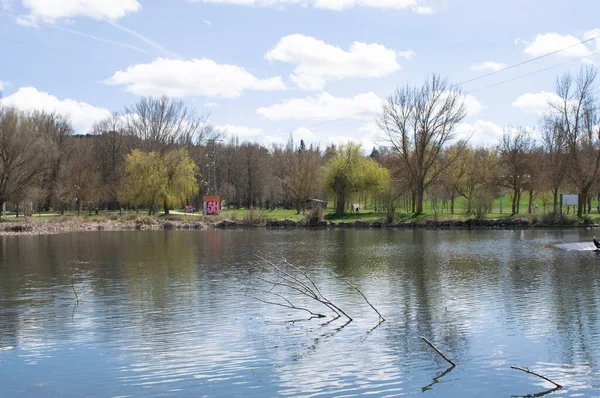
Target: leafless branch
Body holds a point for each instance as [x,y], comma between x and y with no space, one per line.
[430,344]
[74,291]
[290,278]
[382,319]
[526,370]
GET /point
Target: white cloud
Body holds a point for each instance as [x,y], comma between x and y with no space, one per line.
[207,22]
[549,42]
[591,35]
[49,10]
[474,107]
[408,54]
[324,107]
[82,115]
[243,132]
[489,65]
[316,61]
[2,85]
[28,21]
[273,139]
[481,133]
[418,6]
[536,102]
[305,134]
[196,77]
[210,104]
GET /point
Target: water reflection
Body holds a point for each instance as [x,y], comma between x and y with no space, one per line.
[162,312]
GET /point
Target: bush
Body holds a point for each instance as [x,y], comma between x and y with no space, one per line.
[145,220]
[313,217]
[253,217]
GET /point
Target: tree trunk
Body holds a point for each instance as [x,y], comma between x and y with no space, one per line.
[514,202]
[340,204]
[419,198]
[165,208]
[452,204]
[529,205]
[555,205]
[581,203]
[519,201]
[17,211]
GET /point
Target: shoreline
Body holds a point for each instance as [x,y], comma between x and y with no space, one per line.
[29,226]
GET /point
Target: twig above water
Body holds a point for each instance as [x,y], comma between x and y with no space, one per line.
[527,370]
[381,318]
[74,291]
[430,344]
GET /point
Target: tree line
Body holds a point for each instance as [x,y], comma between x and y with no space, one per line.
[161,154]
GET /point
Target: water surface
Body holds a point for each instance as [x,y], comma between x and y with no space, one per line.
[163,313]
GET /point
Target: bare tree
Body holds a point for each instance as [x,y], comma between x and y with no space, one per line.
[160,123]
[22,156]
[578,119]
[514,150]
[554,145]
[109,152]
[303,179]
[418,123]
[55,130]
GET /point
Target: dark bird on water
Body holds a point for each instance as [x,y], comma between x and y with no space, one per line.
[596,243]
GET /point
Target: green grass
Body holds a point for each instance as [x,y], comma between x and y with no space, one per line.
[367,213]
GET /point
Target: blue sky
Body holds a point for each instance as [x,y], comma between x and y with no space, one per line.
[318,69]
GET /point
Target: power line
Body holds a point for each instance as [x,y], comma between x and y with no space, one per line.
[533,73]
[530,60]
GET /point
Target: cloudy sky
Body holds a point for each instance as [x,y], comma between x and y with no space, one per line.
[318,69]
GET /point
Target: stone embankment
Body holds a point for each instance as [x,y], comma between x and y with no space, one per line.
[31,226]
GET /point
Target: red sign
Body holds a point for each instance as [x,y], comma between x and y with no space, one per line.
[212,205]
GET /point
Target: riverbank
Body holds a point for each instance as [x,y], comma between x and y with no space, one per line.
[33,226]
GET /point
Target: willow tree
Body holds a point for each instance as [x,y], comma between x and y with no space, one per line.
[181,184]
[348,172]
[143,179]
[418,123]
[151,179]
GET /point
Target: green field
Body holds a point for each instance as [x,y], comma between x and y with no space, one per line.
[366,214]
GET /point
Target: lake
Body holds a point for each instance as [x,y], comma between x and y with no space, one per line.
[169,313]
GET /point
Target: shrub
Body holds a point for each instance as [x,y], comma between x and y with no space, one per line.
[145,220]
[253,217]
[313,217]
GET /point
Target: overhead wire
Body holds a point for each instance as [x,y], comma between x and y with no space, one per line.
[533,73]
[530,60]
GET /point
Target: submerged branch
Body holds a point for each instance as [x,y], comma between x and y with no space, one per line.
[296,280]
[381,318]
[430,344]
[291,306]
[526,370]
[74,291]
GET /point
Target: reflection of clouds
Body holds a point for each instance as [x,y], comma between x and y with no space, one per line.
[174,319]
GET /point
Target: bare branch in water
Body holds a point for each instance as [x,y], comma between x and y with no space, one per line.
[291,306]
[291,280]
[74,291]
[526,370]
[430,344]
[381,318]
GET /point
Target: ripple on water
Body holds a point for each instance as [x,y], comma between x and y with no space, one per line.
[175,322]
